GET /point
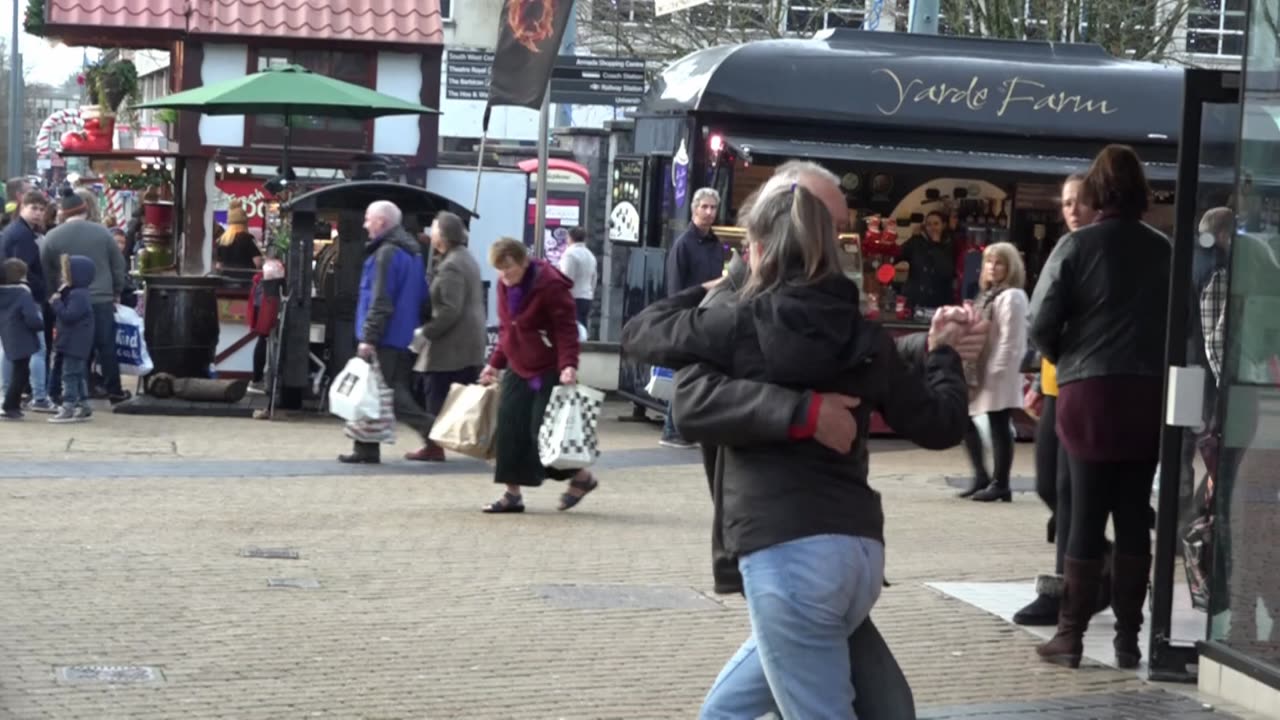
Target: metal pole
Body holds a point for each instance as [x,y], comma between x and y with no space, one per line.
[924,17]
[475,203]
[544,131]
[14,166]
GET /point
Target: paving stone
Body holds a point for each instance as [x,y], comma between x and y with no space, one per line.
[617,597]
[294,583]
[271,553]
[109,674]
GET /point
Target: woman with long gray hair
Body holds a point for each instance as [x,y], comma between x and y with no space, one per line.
[801,519]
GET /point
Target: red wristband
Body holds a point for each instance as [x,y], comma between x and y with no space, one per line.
[810,426]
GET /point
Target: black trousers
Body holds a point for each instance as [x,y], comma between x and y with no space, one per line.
[18,383]
[1053,479]
[1120,490]
[520,411]
[259,358]
[1001,448]
[397,369]
[435,386]
[584,309]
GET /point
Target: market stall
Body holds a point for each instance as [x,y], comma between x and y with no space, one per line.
[978,133]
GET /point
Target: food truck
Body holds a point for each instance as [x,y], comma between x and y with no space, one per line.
[978,133]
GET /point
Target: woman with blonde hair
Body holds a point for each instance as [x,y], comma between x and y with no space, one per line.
[237,249]
[801,519]
[995,379]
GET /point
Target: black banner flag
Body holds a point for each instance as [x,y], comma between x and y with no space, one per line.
[529,35]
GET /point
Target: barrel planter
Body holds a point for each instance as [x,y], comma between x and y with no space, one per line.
[182,324]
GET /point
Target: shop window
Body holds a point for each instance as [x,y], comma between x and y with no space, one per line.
[446,9]
[805,19]
[1216,27]
[308,131]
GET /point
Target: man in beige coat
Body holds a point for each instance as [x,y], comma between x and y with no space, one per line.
[451,345]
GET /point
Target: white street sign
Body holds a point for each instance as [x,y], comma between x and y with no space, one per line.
[666,7]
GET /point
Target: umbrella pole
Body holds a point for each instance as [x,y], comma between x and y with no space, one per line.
[284,160]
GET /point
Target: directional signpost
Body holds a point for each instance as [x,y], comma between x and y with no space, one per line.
[597,80]
[467,74]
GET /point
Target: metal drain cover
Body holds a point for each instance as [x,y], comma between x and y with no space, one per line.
[626,597]
[271,553]
[295,583]
[109,674]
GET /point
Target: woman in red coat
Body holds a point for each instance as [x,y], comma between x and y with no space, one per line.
[538,347]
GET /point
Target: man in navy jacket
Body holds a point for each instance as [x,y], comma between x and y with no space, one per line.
[19,241]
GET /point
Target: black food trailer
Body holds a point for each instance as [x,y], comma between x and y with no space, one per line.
[984,131]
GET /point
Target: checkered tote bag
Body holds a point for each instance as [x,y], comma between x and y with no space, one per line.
[567,439]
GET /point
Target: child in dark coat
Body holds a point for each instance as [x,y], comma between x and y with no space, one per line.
[20,325]
[73,307]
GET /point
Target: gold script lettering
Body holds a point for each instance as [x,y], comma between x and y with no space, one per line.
[902,90]
[974,96]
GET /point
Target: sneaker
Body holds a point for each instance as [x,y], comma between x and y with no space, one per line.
[257,388]
[11,415]
[42,406]
[677,442]
[68,415]
[122,397]
[85,410]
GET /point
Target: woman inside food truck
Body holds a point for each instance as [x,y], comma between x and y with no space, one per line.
[930,256]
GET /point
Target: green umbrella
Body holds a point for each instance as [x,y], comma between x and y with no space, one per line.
[290,91]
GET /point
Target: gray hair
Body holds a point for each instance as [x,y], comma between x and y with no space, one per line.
[386,210]
[796,236]
[452,231]
[1015,270]
[785,174]
[706,193]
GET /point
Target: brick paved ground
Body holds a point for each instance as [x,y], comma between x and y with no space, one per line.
[426,608]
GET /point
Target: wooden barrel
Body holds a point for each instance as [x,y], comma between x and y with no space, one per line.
[182,324]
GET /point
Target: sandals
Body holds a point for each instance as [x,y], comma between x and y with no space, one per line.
[508,503]
[568,500]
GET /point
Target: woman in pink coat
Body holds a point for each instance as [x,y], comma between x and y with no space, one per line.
[996,382]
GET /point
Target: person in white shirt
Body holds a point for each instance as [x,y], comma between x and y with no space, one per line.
[579,264]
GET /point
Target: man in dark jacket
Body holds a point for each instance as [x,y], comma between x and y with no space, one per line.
[19,241]
[695,258]
[393,290]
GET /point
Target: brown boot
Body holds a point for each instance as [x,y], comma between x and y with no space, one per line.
[1128,594]
[1082,580]
[430,452]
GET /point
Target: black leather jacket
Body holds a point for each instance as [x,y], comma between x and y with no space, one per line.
[1102,302]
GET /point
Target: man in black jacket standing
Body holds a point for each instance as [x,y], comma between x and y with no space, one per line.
[19,241]
[695,258]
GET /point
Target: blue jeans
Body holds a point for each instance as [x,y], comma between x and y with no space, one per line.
[75,381]
[39,373]
[805,598]
[669,431]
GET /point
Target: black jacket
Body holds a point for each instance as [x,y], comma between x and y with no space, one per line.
[19,241]
[804,338]
[1102,302]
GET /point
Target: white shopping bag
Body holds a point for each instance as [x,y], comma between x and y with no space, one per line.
[355,393]
[131,343]
[567,439]
[662,383]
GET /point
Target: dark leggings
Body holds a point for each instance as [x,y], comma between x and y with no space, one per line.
[1118,489]
[1001,448]
[1053,478]
[259,358]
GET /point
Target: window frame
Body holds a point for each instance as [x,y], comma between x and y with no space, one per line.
[328,140]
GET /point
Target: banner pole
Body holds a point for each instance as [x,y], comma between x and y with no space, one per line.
[540,224]
[484,135]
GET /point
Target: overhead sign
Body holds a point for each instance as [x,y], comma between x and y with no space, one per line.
[666,7]
[466,74]
[597,80]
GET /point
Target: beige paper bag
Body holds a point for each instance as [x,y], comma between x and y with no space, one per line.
[468,421]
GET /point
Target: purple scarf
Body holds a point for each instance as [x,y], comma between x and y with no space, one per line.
[517,297]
